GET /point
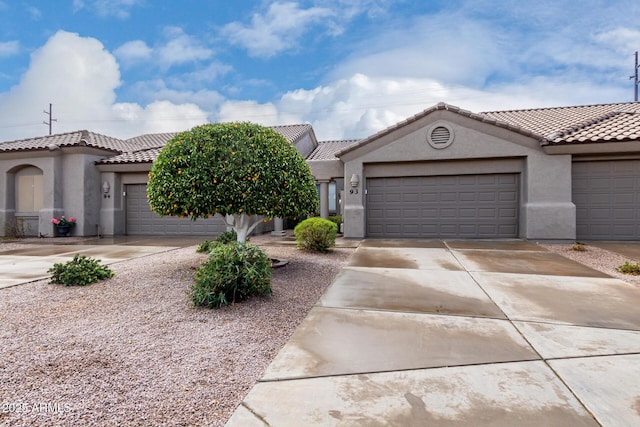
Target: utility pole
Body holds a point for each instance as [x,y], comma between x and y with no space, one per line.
[635,80]
[51,120]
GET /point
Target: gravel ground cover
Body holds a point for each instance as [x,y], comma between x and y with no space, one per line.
[596,258]
[132,350]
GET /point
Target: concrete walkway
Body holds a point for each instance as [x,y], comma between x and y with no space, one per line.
[458,333]
[31,262]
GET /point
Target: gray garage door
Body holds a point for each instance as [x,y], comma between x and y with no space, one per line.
[142,221]
[463,206]
[607,199]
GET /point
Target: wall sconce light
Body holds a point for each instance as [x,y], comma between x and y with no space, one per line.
[355,181]
[105,189]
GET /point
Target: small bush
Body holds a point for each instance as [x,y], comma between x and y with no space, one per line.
[80,271]
[223,238]
[316,234]
[336,218]
[629,268]
[227,237]
[205,247]
[233,273]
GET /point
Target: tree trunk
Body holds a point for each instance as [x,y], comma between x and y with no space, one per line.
[243,224]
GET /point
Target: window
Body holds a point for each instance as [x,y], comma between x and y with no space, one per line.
[332,196]
[29,190]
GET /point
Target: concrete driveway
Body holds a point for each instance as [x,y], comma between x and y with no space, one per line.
[468,333]
[31,262]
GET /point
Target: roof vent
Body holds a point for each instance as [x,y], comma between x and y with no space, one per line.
[440,135]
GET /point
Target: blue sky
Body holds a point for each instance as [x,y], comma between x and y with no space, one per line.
[348,67]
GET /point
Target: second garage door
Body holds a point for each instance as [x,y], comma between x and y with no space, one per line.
[142,221]
[462,206]
[607,199]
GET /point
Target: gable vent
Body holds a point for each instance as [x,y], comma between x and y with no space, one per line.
[440,135]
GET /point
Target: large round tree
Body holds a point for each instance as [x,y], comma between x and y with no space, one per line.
[242,171]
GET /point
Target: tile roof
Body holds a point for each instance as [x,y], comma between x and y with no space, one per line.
[424,113]
[559,125]
[293,132]
[70,139]
[145,148]
[326,150]
[577,124]
[151,140]
[146,155]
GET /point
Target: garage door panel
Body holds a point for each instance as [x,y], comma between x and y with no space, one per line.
[468,197]
[467,213]
[410,197]
[606,195]
[484,196]
[429,197]
[622,214]
[448,197]
[465,206]
[142,221]
[430,213]
[626,183]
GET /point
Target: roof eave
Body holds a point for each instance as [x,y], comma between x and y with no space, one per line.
[593,147]
[124,167]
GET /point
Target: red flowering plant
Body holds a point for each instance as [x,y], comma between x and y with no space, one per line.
[64,221]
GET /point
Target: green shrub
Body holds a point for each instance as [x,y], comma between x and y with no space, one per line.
[223,238]
[205,247]
[629,268]
[316,234]
[227,237]
[336,218]
[80,271]
[233,273]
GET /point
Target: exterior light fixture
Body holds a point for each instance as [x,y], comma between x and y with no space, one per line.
[105,189]
[355,181]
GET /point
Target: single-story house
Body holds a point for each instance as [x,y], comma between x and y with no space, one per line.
[560,173]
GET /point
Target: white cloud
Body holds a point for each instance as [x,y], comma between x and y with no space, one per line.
[79,77]
[178,48]
[157,117]
[9,48]
[207,74]
[34,12]
[447,47]
[77,5]
[248,110]
[277,30]
[133,51]
[347,9]
[149,91]
[622,40]
[120,9]
[181,48]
